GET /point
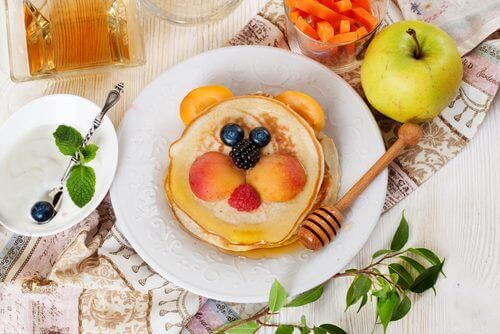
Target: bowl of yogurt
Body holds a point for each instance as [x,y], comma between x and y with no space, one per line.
[31,164]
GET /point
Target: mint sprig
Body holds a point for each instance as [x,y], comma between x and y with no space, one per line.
[389,291]
[82,179]
[81,185]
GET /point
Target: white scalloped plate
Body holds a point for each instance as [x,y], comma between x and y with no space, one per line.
[153,123]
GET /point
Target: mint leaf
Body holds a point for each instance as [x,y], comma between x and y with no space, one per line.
[81,185]
[68,139]
[277,297]
[89,152]
[401,236]
[307,297]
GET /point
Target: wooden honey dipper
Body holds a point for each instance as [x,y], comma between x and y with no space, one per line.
[324,223]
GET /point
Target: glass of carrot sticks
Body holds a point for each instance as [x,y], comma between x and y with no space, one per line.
[334,32]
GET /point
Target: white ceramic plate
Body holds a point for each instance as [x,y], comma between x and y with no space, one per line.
[153,123]
[31,165]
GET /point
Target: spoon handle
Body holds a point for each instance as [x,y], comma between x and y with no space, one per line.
[111,100]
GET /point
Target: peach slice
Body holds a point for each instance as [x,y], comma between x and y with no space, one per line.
[213,176]
[199,99]
[307,107]
[278,177]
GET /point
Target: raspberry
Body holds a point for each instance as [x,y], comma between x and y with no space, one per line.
[244,198]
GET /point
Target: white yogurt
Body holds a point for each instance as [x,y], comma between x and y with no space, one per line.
[28,171]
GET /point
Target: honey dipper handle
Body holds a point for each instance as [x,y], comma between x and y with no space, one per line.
[408,135]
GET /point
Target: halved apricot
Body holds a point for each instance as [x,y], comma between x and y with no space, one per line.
[199,99]
[304,105]
[277,177]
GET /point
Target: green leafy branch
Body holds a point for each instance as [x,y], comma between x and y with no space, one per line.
[406,271]
[81,180]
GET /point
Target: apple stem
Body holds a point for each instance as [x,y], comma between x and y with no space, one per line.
[413,34]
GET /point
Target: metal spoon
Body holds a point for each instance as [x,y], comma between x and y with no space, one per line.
[44,211]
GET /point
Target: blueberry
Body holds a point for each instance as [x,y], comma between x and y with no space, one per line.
[42,211]
[260,136]
[231,134]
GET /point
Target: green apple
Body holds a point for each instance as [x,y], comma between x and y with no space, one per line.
[411,71]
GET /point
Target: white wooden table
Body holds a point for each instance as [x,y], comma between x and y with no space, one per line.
[456,213]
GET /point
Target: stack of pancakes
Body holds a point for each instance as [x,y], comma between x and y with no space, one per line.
[273,224]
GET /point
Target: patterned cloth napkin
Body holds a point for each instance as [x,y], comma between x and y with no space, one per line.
[89,280]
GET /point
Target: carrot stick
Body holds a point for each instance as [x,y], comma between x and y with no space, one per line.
[294,16]
[306,28]
[290,4]
[345,37]
[317,9]
[342,6]
[313,20]
[364,17]
[361,31]
[325,31]
[344,27]
[365,4]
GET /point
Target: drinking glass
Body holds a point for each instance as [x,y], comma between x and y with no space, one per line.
[54,37]
[190,11]
[340,57]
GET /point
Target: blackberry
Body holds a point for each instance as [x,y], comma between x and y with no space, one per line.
[245,154]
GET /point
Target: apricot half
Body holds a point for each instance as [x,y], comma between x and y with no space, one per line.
[277,177]
[307,107]
[213,176]
[199,99]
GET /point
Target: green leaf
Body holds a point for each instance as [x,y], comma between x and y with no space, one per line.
[81,185]
[89,152]
[359,287]
[427,279]
[351,270]
[386,307]
[405,278]
[380,252]
[382,293]
[284,329]
[426,254]
[402,309]
[319,330]
[68,139]
[246,328]
[363,302]
[332,329]
[277,297]
[305,329]
[307,297]
[413,263]
[401,236]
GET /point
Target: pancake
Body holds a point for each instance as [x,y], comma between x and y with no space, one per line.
[326,195]
[272,224]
